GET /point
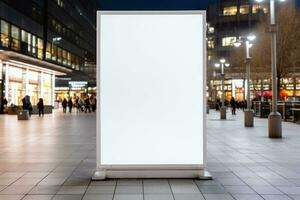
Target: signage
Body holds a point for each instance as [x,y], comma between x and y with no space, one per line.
[78,84]
[151,72]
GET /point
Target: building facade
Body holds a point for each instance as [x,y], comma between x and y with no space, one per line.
[227,21]
[43,41]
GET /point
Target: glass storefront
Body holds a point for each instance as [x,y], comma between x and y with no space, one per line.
[22,82]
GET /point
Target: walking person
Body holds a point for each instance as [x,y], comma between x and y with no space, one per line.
[40,106]
[70,105]
[87,105]
[4,103]
[233,105]
[27,104]
[64,105]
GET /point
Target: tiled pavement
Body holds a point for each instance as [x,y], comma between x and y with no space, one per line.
[54,158]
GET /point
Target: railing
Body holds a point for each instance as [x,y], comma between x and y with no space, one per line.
[290,111]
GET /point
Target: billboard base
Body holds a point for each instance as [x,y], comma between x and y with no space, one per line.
[102,174]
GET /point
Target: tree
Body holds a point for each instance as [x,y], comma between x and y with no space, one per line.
[288,46]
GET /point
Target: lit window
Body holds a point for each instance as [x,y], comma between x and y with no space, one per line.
[228,41]
[257,7]
[15,35]
[210,44]
[4,33]
[40,48]
[244,9]
[34,45]
[232,10]
[211,29]
[48,51]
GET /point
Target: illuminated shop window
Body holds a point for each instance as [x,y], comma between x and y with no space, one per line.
[34,45]
[54,52]
[48,51]
[210,44]
[15,38]
[228,41]
[244,9]
[4,33]
[257,7]
[211,29]
[232,10]
[60,3]
[40,48]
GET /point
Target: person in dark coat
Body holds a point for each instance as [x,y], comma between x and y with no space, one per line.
[87,105]
[70,105]
[40,106]
[233,105]
[64,105]
[27,104]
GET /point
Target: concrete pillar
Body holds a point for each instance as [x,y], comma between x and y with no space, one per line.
[249,118]
[223,112]
[7,81]
[53,89]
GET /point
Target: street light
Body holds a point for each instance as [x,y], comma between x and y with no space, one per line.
[248,114]
[218,65]
[275,120]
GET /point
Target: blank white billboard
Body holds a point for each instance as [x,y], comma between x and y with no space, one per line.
[151,88]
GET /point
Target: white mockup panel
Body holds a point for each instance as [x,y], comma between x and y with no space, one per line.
[151,90]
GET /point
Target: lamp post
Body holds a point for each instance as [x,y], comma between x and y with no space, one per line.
[274,120]
[248,114]
[221,64]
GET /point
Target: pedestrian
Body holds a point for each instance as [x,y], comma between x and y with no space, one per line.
[87,104]
[27,104]
[93,103]
[4,103]
[40,106]
[70,105]
[233,105]
[64,105]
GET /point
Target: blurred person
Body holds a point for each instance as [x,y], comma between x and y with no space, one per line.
[233,105]
[70,105]
[27,104]
[40,106]
[64,104]
[87,104]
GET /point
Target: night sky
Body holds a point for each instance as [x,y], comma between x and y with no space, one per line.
[153,4]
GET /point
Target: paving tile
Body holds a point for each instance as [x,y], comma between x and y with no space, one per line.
[72,190]
[266,190]
[106,182]
[44,189]
[276,197]
[16,189]
[67,197]
[212,189]
[293,190]
[239,190]
[38,197]
[184,187]
[189,197]
[125,189]
[158,197]
[247,197]
[11,197]
[128,197]
[158,189]
[103,189]
[98,197]
[218,197]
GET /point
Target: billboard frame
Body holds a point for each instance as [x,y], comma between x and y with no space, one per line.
[149,171]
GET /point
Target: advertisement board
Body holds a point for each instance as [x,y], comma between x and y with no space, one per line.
[151,80]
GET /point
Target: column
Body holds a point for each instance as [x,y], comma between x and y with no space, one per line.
[53,89]
[40,85]
[7,81]
[26,81]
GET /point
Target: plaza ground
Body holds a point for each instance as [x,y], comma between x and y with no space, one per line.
[54,158]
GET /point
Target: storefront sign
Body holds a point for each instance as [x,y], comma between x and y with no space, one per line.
[151,73]
[78,84]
